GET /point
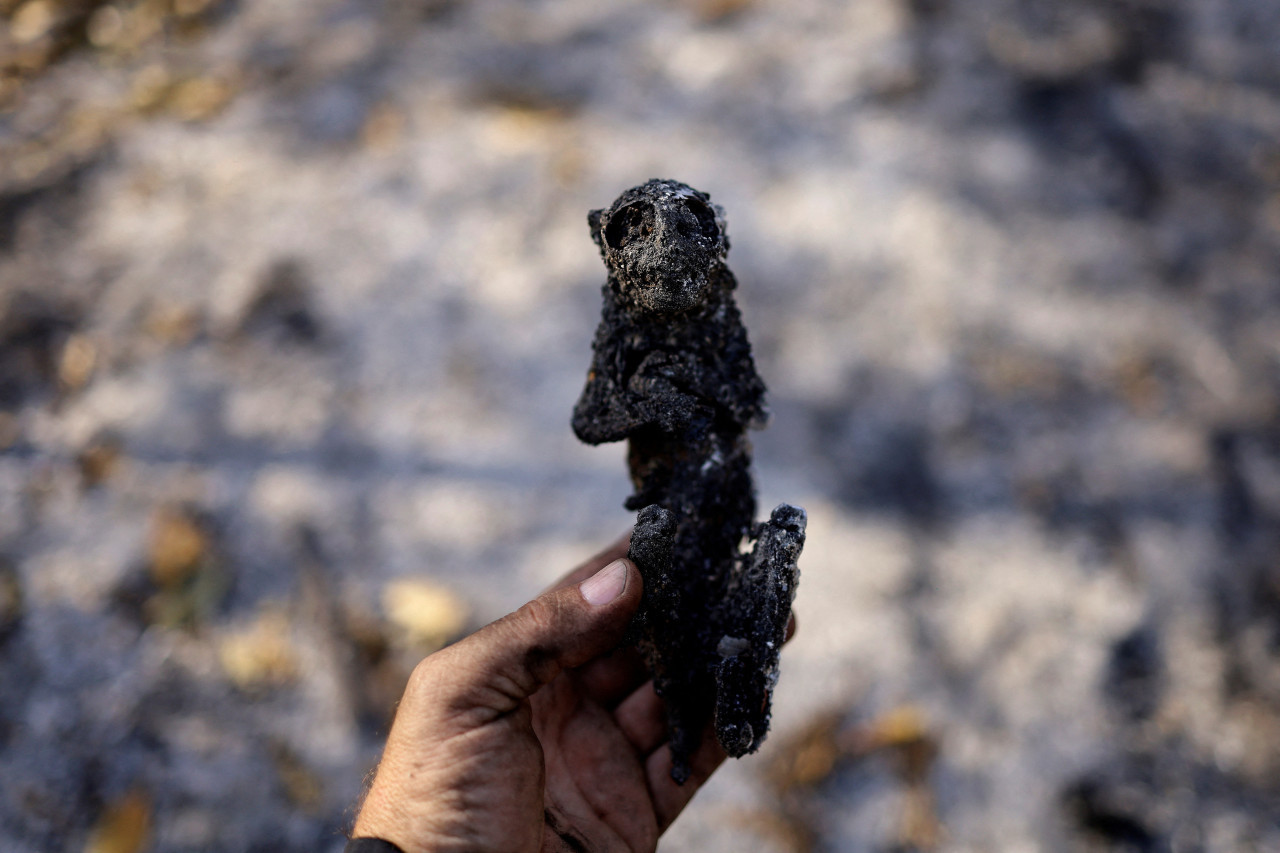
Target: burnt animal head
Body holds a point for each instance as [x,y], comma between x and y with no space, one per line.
[662,242]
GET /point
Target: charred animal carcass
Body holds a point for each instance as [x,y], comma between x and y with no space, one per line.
[672,373]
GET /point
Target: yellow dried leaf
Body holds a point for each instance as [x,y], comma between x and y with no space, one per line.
[899,726]
[32,21]
[904,730]
[810,754]
[172,324]
[261,655]
[149,87]
[199,99]
[429,614]
[124,827]
[79,356]
[176,547]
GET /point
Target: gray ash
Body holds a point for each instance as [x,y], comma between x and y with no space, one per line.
[672,373]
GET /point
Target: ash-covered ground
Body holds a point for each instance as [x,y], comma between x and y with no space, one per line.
[296,299]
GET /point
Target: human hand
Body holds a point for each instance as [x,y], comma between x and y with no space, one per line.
[535,734]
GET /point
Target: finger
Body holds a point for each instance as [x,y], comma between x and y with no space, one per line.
[617,549]
[669,799]
[609,679]
[495,669]
[642,717]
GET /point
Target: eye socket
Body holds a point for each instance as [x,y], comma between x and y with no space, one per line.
[632,222]
[706,218]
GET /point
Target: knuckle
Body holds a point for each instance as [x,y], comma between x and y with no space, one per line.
[540,623]
[422,678]
[540,616]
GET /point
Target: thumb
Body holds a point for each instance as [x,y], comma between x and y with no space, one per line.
[507,661]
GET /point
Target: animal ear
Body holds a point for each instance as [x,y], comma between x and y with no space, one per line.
[593,220]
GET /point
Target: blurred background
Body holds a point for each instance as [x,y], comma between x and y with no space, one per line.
[296,299]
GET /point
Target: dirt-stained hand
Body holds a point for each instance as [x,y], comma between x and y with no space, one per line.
[535,733]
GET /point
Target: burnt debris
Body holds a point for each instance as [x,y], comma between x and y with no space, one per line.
[672,373]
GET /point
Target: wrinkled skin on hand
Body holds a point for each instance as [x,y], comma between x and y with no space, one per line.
[672,373]
[535,733]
